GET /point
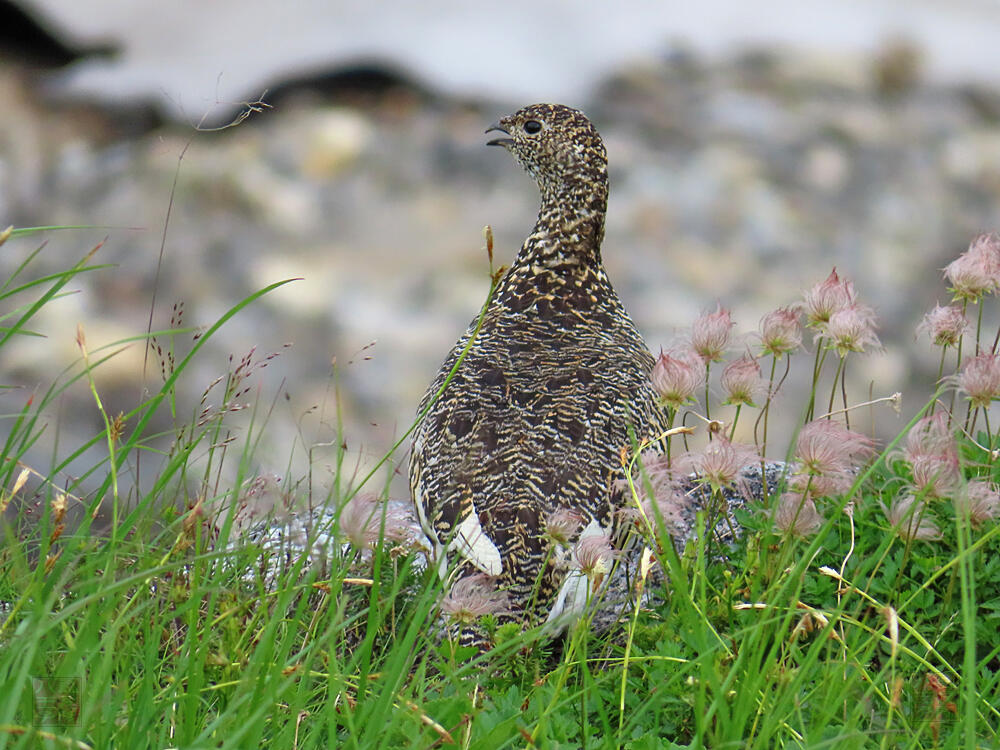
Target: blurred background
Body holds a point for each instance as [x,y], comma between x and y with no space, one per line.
[753,147]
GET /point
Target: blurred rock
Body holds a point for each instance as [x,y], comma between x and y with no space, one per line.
[740,180]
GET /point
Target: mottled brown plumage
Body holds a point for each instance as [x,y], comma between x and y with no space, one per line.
[553,388]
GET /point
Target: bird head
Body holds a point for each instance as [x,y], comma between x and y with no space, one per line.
[557,145]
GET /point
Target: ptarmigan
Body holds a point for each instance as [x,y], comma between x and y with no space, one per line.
[554,387]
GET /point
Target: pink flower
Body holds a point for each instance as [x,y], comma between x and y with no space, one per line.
[719,463]
[980,379]
[593,555]
[932,453]
[827,297]
[979,501]
[796,514]
[659,497]
[562,525]
[780,332]
[851,329]
[710,334]
[676,377]
[472,597]
[824,445]
[360,521]
[935,476]
[830,484]
[911,520]
[828,454]
[930,436]
[944,325]
[742,381]
[976,271]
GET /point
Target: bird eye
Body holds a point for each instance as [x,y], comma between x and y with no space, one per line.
[532,126]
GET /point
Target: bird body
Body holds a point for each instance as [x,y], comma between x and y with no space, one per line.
[553,388]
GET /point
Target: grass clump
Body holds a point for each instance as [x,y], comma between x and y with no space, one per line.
[859,606]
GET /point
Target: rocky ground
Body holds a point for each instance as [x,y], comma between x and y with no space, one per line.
[739,180]
[287,534]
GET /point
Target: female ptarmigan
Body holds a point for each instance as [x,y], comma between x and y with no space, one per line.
[554,387]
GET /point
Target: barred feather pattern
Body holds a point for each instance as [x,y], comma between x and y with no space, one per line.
[553,388]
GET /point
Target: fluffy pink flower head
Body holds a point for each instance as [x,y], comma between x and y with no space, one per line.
[719,463]
[825,445]
[742,381]
[945,325]
[831,484]
[593,555]
[976,271]
[979,501]
[360,522]
[796,514]
[562,525]
[851,329]
[932,453]
[472,597]
[979,378]
[659,497]
[677,376]
[911,519]
[826,298]
[710,334]
[780,332]
[935,476]
[828,455]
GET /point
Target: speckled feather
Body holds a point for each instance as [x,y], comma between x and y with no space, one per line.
[555,385]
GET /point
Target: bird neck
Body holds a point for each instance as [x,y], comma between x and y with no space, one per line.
[570,224]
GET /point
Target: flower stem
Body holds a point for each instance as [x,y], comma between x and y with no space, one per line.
[958,364]
[836,378]
[979,326]
[671,413]
[708,416]
[843,393]
[817,368]
[767,408]
[989,435]
[944,352]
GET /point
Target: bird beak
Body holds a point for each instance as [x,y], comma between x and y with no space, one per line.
[499,141]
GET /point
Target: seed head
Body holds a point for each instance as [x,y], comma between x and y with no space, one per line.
[780,332]
[980,379]
[932,453]
[360,522]
[796,514]
[719,463]
[677,376]
[911,519]
[742,381]
[562,525]
[659,495]
[830,484]
[851,329]
[935,476]
[593,555]
[710,334]
[979,501]
[976,271]
[824,445]
[828,455]
[826,298]
[945,325]
[930,436]
[472,597]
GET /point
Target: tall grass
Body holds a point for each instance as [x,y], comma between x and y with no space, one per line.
[176,628]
